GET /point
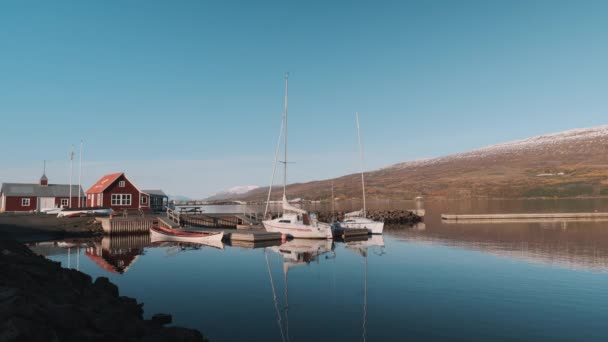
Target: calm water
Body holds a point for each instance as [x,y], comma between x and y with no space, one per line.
[500,282]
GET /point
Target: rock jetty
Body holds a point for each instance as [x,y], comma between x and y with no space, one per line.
[41,301]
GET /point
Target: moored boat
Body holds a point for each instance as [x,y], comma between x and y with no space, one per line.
[92,211]
[294,222]
[358,219]
[158,234]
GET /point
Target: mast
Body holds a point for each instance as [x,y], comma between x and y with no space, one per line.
[285,141]
[361,161]
[333,216]
[80,174]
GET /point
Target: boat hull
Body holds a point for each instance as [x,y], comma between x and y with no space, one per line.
[301,231]
[374,227]
[160,234]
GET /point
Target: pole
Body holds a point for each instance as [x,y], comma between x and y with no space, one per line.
[285,143]
[361,161]
[274,170]
[71,174]
[333,215]
[80,175]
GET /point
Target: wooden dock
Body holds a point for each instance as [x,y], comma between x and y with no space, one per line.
[126,225]
[524,217]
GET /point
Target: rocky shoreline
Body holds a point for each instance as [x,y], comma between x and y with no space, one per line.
[41,301]
[389,217]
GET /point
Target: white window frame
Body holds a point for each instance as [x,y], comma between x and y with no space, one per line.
[65,202]
[98,200]
[121,200]
[144,199]
[25,202]
[122,184]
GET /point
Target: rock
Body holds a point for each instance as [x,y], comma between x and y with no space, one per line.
[104,284]
[161,319]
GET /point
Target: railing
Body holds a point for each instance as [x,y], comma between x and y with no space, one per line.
[173,216]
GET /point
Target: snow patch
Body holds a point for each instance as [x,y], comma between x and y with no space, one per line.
[540,142]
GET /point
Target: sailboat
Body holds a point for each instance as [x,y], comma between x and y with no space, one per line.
[295,222]
[358,219]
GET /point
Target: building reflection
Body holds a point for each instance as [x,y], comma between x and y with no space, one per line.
[115,254]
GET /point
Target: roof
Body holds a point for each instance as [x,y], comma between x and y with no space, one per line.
[37,190]
[155,193]
[103,183]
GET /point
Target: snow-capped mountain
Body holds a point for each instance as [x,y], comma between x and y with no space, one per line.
[235,191]
[566,164]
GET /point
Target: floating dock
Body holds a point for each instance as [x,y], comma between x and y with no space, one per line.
[476,218]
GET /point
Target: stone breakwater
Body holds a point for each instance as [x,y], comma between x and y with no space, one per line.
[41,301]
[389,217]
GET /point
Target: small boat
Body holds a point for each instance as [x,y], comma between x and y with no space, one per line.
[358,219]
[51,211]
[90,211]
[158,234]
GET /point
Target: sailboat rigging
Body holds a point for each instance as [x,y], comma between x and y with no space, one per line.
[294,222]
[358,219]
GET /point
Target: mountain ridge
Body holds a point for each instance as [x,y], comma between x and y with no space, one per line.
[571,163]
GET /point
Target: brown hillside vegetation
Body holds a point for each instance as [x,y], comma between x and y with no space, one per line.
[568,164]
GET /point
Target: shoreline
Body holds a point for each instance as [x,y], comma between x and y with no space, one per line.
[42,301]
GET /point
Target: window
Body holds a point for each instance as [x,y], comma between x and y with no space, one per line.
[25,202]
[121,184]
[98,199]
[64,202]
[144,199]
[121,199]
[284,221]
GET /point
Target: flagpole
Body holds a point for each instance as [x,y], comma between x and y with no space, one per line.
[71,173]
[80,175]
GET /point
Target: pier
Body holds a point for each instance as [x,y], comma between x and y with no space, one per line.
[523,217]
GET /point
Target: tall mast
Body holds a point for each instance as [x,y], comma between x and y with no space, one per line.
[80,174]
[285,142]
[361,161]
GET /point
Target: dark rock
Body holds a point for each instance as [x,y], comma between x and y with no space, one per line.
[40,301]
[161,319]
[104,284]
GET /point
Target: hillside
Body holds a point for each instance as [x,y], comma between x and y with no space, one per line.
[566,164]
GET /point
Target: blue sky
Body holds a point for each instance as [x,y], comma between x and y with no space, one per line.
[187,95]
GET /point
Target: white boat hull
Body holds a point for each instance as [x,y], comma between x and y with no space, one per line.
[84,212]
[319,230]
[213,239]
[374,227]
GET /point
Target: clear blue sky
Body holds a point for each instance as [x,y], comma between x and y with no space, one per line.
[187,95]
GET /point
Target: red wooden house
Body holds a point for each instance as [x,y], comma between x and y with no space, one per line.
[117,192]
[38,197]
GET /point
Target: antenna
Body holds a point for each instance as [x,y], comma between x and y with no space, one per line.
[71,173]
[80,174]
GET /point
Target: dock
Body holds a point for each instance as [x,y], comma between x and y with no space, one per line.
[523,217]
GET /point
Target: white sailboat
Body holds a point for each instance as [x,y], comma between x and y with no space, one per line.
[358,219]
[295,222]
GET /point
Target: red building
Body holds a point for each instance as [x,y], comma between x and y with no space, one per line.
[38,197]
[117,192]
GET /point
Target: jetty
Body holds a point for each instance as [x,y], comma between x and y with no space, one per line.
[522,217]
